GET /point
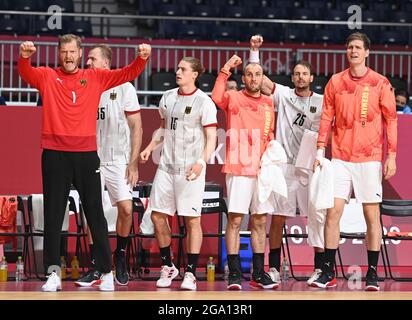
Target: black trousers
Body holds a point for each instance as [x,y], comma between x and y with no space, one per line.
[61,169]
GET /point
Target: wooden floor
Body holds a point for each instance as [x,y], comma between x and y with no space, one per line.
[146,290]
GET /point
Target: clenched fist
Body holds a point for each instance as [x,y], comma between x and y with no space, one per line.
[256,41]
[27,49]
[233,62]
[144,50]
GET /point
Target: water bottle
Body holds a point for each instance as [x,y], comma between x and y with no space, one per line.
[3,270]
[63,268]
[75,268]
[285,270]
[19,269]
[210,270]
[226,271]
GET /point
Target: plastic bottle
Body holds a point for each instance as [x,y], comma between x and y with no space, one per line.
[285,269]
[3,270]
[19,269]
[210,270]
[75,268]
[226,271]
[63,268]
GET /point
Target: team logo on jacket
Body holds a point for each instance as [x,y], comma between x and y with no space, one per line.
[83,82]
[113,95]
[312,109]
[188,110]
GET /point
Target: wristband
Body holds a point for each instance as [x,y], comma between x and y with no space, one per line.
[320,154]
[254,56]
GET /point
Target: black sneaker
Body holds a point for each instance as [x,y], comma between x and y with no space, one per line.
[263,281]
[121,275]
[92,277]
[372,283]
[234,281]
[325,280]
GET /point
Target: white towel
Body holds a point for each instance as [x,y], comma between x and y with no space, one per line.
[270,177]
[321,193]
[306,155]
[147,227]
[38,213]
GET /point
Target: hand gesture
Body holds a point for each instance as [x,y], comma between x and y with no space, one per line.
[194,172]
[233,62]
[255,42]
[144,155]
[144,50]
[132,174]
[27,49]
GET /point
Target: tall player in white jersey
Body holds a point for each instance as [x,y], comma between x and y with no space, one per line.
[119,137]
[188,130]
[298,109]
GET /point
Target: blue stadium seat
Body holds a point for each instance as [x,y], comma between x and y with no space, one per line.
[325,36]
[170,9]
[225,33]
[80,28]
[65,5]
[234,12]
[206,82]
[393,37]
[305,14]
[41,28]
[12,26]
[201,10]
[401,16]
[295,34]
[317,4]
[372,16]
[168,29]
[271,12]
[6,5]
[27,5]
[146,7]
[336,15]
[319,83]
[189,31]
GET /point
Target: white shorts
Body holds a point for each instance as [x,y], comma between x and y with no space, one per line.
[172,192]
[243,196]
[113,177]
[298,191]
[364,178]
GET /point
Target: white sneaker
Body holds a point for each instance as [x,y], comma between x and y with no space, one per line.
[315,276]
[189,282]
[53,283]
[274,274]
[107,282]
[167,274]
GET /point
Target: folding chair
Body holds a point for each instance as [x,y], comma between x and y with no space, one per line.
[395,209]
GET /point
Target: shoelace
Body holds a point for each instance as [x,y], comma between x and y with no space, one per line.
[164,273]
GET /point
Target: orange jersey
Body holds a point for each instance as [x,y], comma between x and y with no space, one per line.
[358,108]
[250,126]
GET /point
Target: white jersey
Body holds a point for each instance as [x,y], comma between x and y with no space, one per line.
[184,139]
[113,133]
[295,114]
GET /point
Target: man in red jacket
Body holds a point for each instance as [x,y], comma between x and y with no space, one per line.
[70,100]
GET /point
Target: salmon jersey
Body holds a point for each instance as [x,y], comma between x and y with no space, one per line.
[250,126]
[295,114]
[358,108]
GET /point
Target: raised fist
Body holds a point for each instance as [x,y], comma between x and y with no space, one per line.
[256,41]
[144,50]
[27,49]
[233,62]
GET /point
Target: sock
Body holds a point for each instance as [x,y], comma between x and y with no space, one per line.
[373,257]
[92,256]
[192,259]
[274,258]
[319,257]
[121,243]
[166,256]
[233,262]
[258,264]
[329,261]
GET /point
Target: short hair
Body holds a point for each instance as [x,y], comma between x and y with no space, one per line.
[255,63]
[403,93]
[359,36]
[303,63]
[105,50]
[67,38]
[195,64]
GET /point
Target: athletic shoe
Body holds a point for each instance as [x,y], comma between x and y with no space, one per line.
[325,280]
[53,283]
[189,282]
[106,282]
[263,281]
[92,277]
[315,276]
[234,281]
[167,274]
[274,274]
[372,283]
[121,276]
